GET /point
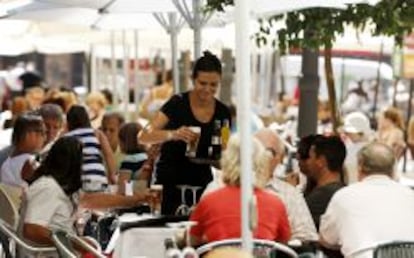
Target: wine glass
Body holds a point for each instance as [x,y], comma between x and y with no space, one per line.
[183,209]
[194,190]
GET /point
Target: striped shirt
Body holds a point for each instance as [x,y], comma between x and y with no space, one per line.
[133,162]
[93,170]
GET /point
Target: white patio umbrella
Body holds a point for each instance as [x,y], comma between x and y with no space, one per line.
[20,37]
[243,13]
[110,15]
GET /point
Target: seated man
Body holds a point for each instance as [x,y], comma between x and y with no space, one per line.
[374,211]
[300,219]
[324,165]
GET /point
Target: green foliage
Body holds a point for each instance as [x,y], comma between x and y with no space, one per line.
[318,27]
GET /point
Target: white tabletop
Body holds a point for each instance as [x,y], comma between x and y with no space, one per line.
[139,242]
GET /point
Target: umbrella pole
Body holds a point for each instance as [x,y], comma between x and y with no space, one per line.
[114,70]
[136,72]
[410,106]
[126,75]
[197,28]
[243,81]
[174,51]
[93,69]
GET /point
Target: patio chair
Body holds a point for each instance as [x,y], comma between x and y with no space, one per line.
[395,250]
[91,245]
[261,248]
[9,211]
[7,231]
[9,214]
[63,245]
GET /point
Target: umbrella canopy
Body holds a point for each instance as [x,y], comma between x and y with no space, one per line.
[80,16]
[20,36]
[119,6]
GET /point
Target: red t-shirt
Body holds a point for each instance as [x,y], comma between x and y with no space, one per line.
[218,216]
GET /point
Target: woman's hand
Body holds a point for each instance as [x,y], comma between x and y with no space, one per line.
[185,134]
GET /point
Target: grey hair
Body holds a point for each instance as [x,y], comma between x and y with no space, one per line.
[269,137]
[51,111]
[376,158]
[231,163]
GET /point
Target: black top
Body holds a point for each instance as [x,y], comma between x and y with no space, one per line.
[173,167]
[319,198]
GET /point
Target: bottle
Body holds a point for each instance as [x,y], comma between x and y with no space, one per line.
[216,140]
[189,252]
[225,133]
[171,250]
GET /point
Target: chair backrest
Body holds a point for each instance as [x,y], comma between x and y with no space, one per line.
[92,246]
[9,211]
[395,250]
[10,233]
[63,244]
[261,248]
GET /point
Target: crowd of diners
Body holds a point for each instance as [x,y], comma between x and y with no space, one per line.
[65,156]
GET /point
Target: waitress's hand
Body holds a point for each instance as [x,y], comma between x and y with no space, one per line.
[184,133]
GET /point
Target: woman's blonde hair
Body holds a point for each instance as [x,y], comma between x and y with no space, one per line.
[96,97]
[395,116]
[231,160]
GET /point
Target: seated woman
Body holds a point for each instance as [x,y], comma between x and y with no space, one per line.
[98,168]
[218,213]
[27,140]
[54,194]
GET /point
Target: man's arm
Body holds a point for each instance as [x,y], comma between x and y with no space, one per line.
[328,230]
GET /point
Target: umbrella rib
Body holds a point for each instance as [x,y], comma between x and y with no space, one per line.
[175,26]
[188,10]
[182,11]
[105,7]
[161,20]
[205,18]
[181,22]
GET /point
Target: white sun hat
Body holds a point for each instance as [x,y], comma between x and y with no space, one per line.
[357,122]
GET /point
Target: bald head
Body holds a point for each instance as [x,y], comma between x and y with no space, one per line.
[271,140]
[376,158]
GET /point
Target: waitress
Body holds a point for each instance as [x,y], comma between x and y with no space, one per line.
[170,126]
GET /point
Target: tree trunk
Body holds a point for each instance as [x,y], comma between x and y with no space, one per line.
[309,88]
[331,89]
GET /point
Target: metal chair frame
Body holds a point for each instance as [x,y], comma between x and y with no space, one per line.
[397,249]
[61,239]
[237,242]
[11,234]
[9,210]
[62,243]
